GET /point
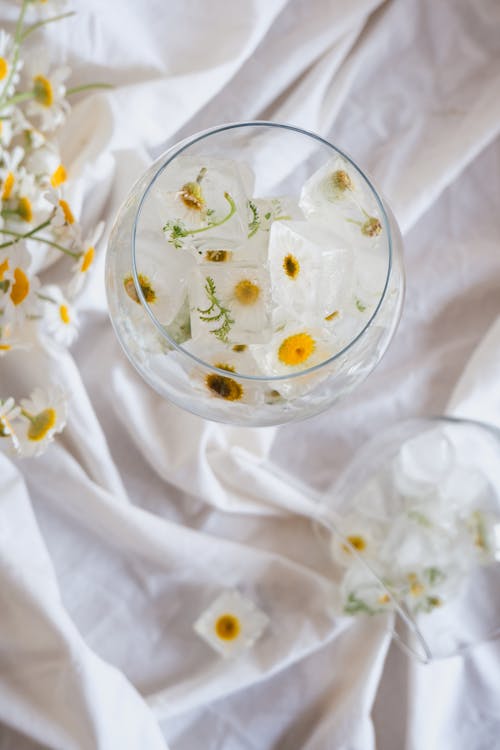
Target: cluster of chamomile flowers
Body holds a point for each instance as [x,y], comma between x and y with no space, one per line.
[37,223]
[260,287]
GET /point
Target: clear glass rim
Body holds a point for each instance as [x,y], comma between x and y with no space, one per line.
[173,153]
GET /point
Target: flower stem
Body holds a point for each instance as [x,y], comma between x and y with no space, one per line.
[88,87]
[44,23]
[30,236]
[15,57]
[217,223]
[23,96]
[25,235]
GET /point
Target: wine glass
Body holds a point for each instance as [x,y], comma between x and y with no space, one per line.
[254,274]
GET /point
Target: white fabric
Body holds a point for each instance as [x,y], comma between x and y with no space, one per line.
[141,515]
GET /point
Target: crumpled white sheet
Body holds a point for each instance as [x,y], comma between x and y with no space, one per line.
[113,542]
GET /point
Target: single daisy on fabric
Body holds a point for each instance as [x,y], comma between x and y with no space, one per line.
[49,105]
[18,295]
[43,416]
[83,265]
[9,67]
[232,624]
[59,318]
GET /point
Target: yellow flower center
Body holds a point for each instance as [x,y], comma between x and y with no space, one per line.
[68,214]
[371,227]
[296,349]
[88,259]
[332,315]
[20,287]
[146,288]
[191,195]
[239,347]
[64,314]
[4,68]
[246,292]
[4,267]
[291,266]
[224,387]
[44,94]
[58,176]
[41,423]
[384,599]
[356,541]
[218,256]
[227,627]
[5,347]
[24,209]
[416,589]
[434,601]
[341,180]
[7,185]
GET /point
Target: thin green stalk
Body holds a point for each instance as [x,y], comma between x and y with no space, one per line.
[23,96]
[15,57]
[44,23]
[20,236]
[87,87]
[26,234]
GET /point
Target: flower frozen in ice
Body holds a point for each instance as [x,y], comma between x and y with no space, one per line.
[59,316]
[231,300]
[49,104]
[362,594]
[355,532]
[43,414]
[231,624]
[86,260]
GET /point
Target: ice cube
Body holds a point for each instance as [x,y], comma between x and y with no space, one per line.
[162,273]
[230,302]
[423,462]
[336,196]
[205,203]
[311,269]
[295,346]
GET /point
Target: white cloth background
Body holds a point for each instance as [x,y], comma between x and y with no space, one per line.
[113,542]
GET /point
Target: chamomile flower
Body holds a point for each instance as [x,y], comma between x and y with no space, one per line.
[362,594]
[8,342]
[19,295]
[231,302]
[355,532]
[49,104]
[43,416]
[64,223]
[311,268]
[232,624]
[9,68]
[60,320]
[11,172]
[9,411]
[86,260]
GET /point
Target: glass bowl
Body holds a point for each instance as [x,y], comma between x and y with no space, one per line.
[254,274]
[413,529]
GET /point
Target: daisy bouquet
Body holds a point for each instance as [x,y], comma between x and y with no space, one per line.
[37,223]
